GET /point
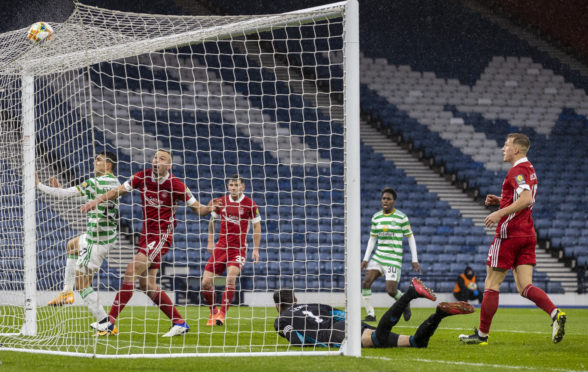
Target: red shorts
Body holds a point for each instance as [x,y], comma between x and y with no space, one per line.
[512,252]
[223,257]
[155,246]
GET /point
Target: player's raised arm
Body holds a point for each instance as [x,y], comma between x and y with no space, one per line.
[110,195]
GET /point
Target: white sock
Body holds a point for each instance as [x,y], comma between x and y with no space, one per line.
[69,277]
[91,301]
[553,313]
[366,294]
[482,334]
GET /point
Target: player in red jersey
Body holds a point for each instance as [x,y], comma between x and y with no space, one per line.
[161,193]
[514,242]
[236,212]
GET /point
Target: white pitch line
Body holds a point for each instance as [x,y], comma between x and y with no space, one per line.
[477,364]
[503,331]
[493,330]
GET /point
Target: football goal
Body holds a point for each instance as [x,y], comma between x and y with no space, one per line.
[273,98]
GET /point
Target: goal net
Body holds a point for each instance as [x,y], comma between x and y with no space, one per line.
[273,98]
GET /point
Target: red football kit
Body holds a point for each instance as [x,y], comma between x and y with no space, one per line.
[515,239]
[160,202]
[235,218]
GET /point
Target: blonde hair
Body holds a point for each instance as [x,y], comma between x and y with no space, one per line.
[520,140]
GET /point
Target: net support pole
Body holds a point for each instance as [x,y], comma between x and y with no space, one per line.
[352,347]
[29,327]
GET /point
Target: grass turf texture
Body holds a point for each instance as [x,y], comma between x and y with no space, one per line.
[520,339]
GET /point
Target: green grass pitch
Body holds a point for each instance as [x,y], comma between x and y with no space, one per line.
[520,340]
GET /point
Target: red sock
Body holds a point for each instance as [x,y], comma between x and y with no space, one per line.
[539,297]
[120,301]
[488,309]
[209,297]
[165,304]
[228,295]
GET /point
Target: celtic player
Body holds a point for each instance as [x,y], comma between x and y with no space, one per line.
[388,228]
[86,252]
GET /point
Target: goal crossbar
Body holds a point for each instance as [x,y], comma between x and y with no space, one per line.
[40,65]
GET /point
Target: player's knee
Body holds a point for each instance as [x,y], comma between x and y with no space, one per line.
[206,285]
[418,343]
[71,247]
[524,289]
[382,339]
[129,272]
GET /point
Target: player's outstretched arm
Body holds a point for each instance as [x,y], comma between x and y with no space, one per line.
[204,210]
[110,195]
[256,241]
[55,188]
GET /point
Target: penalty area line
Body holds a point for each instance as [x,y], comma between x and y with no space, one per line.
[474,364]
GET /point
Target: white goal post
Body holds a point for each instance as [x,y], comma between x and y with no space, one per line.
[273,98]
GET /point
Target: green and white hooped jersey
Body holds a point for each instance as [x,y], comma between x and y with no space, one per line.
[102,221]
[389,229]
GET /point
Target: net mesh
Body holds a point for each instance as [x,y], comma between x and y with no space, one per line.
[258,96]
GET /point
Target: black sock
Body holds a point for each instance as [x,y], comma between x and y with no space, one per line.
[426,329]
[391,317]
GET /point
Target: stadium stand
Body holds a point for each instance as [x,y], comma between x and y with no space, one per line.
[453,94]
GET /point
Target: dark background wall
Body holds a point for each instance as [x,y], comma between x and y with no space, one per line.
[565,22]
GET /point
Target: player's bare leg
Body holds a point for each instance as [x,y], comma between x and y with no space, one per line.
[66,296]
[366,292]
[208,292]
[523,275]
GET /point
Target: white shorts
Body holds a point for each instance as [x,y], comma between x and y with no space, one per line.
[392,273]
[91,256]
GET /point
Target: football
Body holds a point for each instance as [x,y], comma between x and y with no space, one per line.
[40,32]
[473,286]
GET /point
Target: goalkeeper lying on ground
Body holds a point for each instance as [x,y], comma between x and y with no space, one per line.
[323,325]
